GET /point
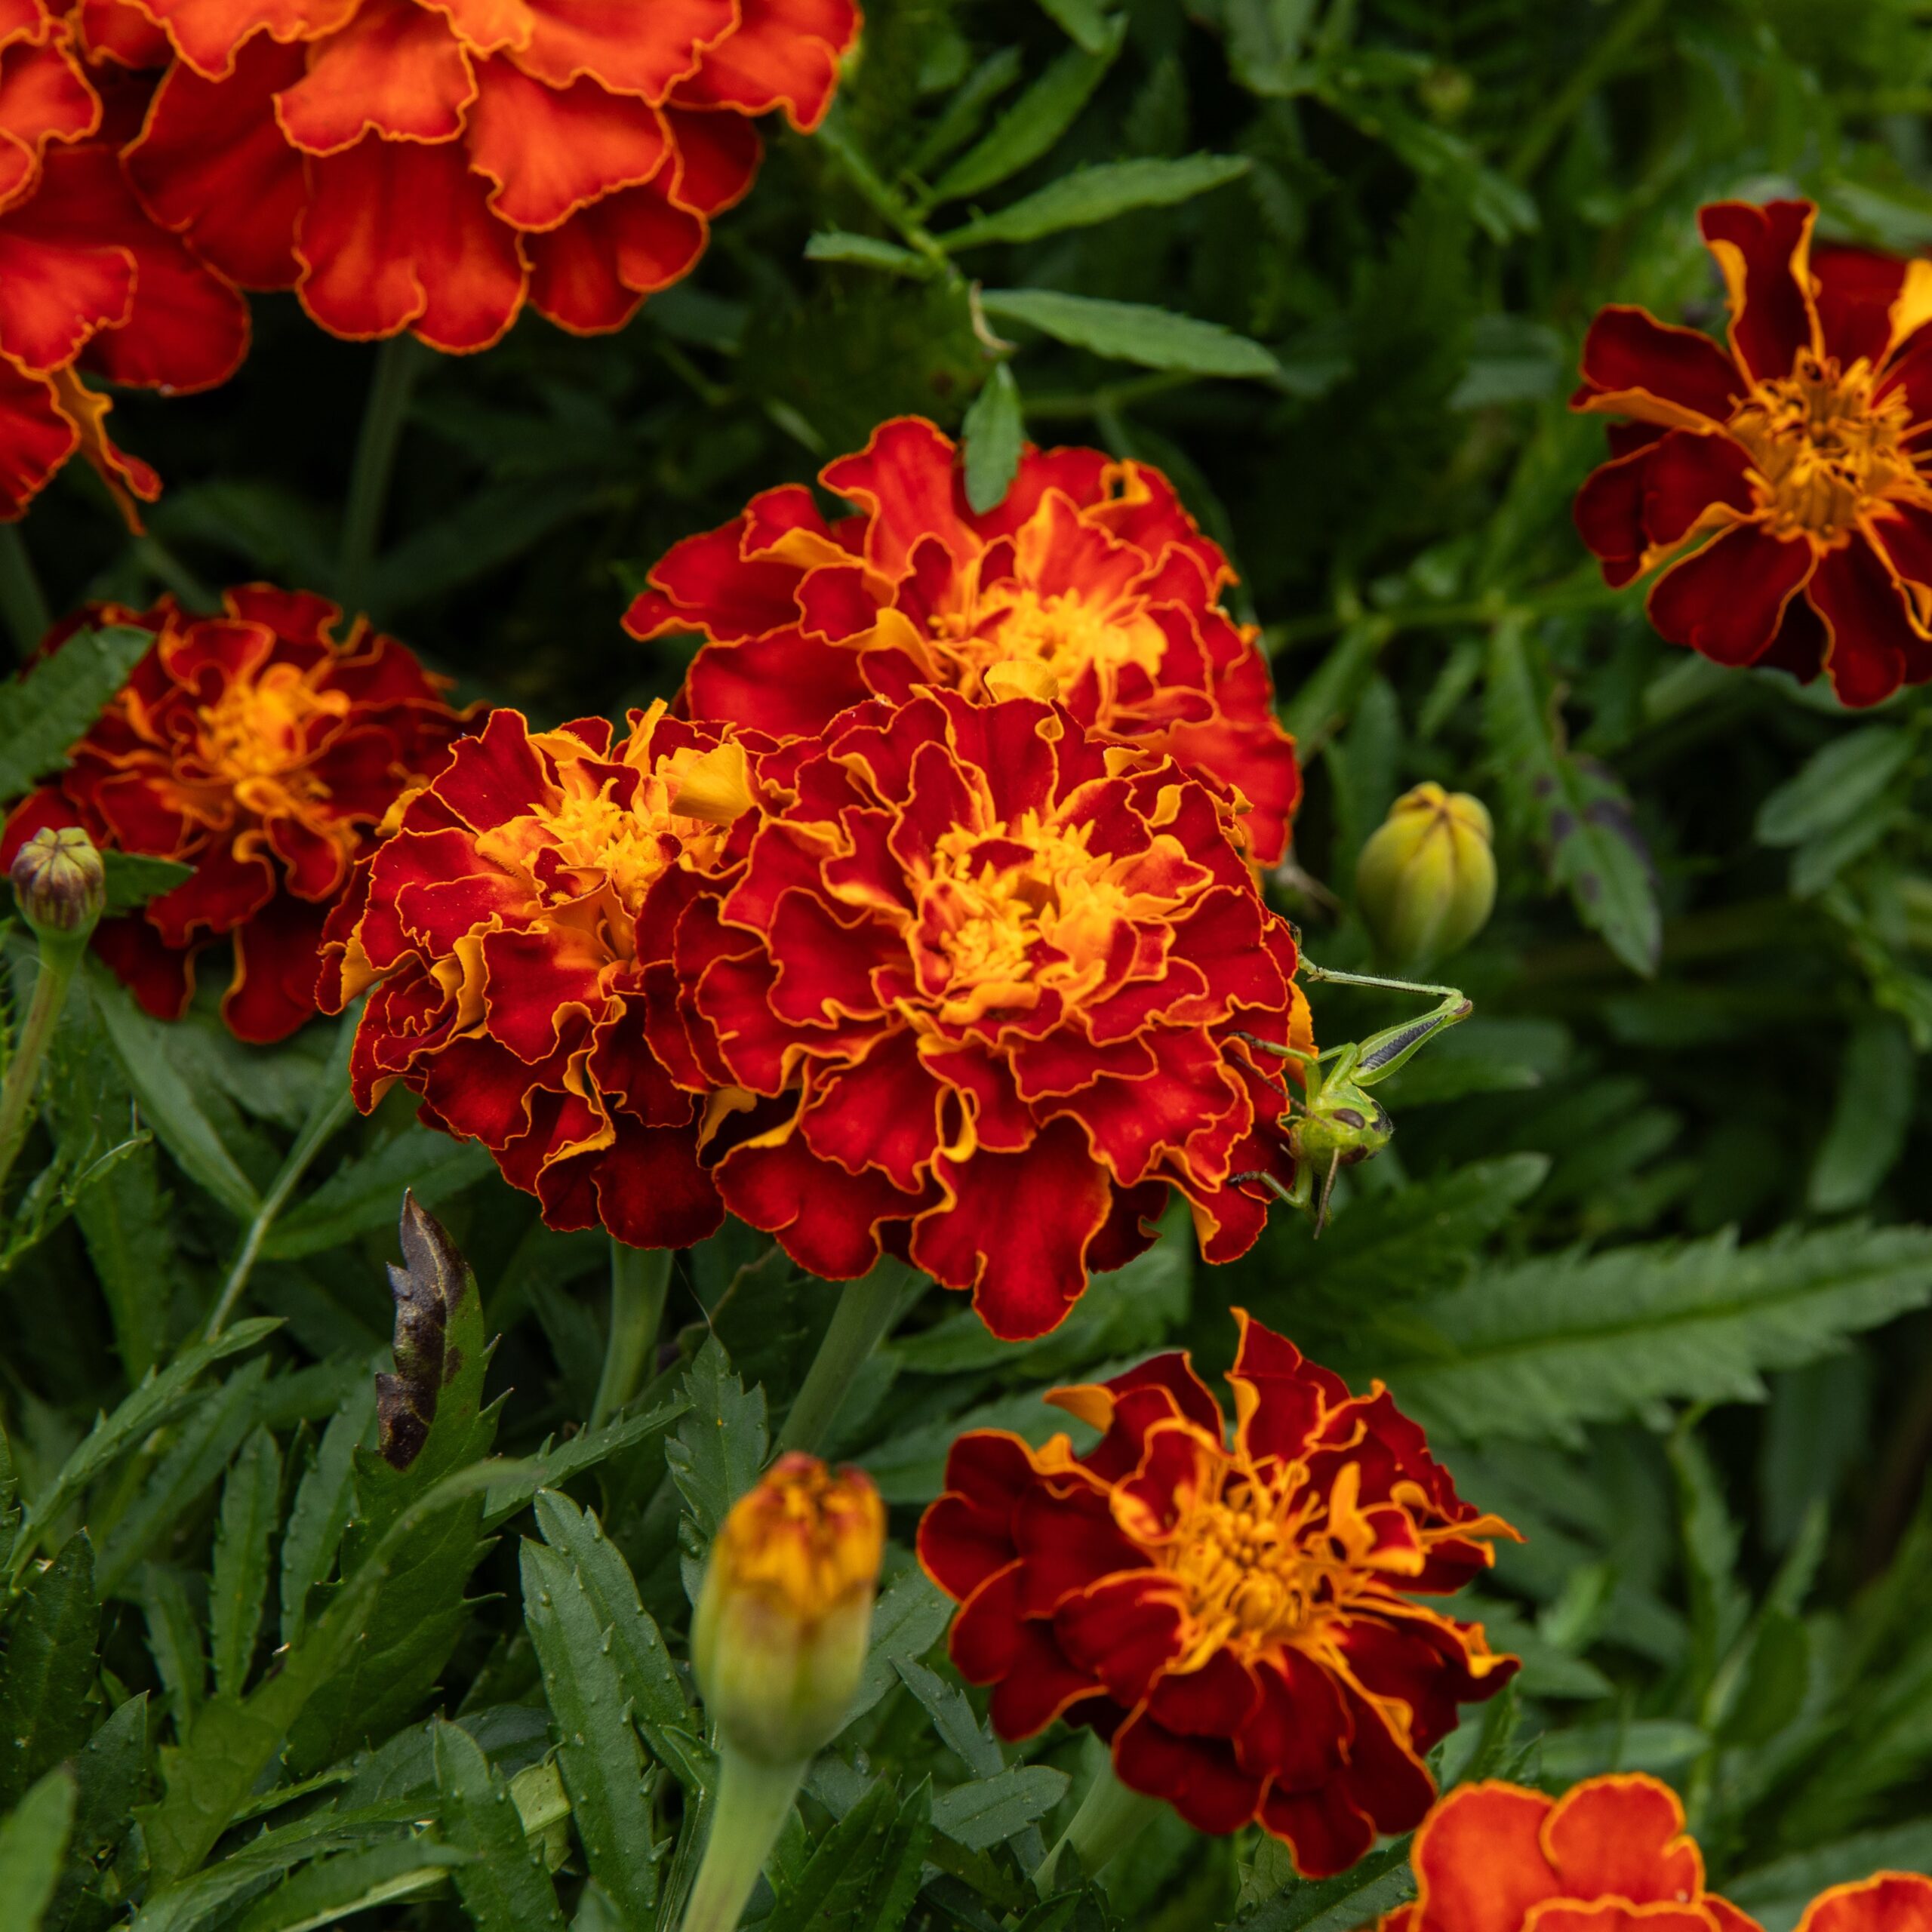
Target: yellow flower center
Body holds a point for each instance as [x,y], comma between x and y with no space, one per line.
[257,736]
[1012,641]
[1253,1568]
[1006,912]
[1824,448]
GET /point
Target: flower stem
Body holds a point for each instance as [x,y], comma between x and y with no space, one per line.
[752,1801]
[640,1280]
[23,603]
[49,995]
[866,1308]
[1109,1819]
[397,363]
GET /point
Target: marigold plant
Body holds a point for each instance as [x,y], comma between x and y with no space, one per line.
[517,928]
[402,165]
[1240,1622]
[90,285]
[988,992]
[1088,584]
[262,747]
[1789,464]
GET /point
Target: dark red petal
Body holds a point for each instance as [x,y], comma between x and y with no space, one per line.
[1873,646]
[1727,599]
[1197,1776]
[1761,251]
[1627,349]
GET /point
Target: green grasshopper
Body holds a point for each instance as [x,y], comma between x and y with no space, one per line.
[1339,1122]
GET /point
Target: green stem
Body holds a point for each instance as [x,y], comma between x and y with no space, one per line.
[398,364]
[332,1105]
[1109,1819]
[1624,34]
[866,1310]
[640,1280]
[49,995]
[23,604]
[752,1802]
[832,137]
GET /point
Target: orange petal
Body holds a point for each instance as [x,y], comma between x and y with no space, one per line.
[208,34]
[785,53]
[1479,1860]
[395,70]
[631,50]
[718,158]
[1889,1902]
[551,150]
[35,437]
[589,275]
[398,236]
[127,476]
[1622,1836]
[44,98]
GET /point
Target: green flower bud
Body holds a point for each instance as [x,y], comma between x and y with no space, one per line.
[784,1619]
[1425,882]
[60,883]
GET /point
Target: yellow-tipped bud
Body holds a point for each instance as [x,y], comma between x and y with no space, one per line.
[59,883]
[785,1615]
[1425,882]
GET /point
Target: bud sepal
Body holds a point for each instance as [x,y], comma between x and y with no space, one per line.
[1425,882]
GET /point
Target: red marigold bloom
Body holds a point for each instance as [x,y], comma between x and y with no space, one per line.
[88,283]
[987,990]
[263,750]
[1611,1855]
[1800,453]
[430,165]
[520,921]
[1240,1623]
[1889,1902]
[1089,584]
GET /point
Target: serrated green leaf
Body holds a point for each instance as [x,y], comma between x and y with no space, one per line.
[124,1218]
[48,1670]
[1132,332]
[649,1678]
[866,1871]
[1033,123]
[174,1640]
[906,1621]
[1580,812]
[1539,1349]
[720,1444]
[33,1841]
[557,1463]
[1288,1903]
[45,712]
[335,1888]
[238,1589]
[361,1194]
[204,1441]
[991,1810]
[1834,785]
[504,1887]
[1088,195]
[324,1499]
[133,878]
[995,432]
[953,1717]
[597,1749]
[965,112]
[1869,1119]
[167,1102]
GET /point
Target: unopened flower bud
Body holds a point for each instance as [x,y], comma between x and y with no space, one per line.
[1426,881]
[60,883]
[785,1615]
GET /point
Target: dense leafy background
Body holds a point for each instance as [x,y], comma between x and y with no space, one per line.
[1646,1255]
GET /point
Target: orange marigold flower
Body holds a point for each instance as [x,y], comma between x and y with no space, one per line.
[987,993]
[1241,1624]
[430,165]
[1089,584]
[517,926]
[89,284]
[263,750]
[1611,1855]
[1795,460]
[1888,1901]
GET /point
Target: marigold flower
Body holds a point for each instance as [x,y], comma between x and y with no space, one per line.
[783,1623]
[1611,1855]
[1888,1901]
[88,283]
[431,164]
[1089,584]
[517,926]
[1798,452]
[263,750]
[1241,1624]
[986,993]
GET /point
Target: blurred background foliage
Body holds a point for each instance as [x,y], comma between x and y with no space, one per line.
[1647,1254]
